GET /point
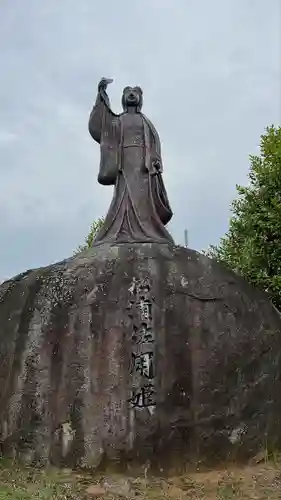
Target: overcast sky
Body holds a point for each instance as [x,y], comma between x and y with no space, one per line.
[211,75]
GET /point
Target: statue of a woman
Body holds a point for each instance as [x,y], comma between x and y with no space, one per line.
[131,161]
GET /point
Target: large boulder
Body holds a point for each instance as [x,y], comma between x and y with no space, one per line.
[141,353]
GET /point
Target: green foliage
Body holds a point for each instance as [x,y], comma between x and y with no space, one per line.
[95,227]
[252,245]
[19,483]
[28,483]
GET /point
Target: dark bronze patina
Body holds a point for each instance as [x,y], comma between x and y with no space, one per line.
[131,161]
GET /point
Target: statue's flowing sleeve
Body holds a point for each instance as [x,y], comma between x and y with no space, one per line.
[104,127]
[155,168]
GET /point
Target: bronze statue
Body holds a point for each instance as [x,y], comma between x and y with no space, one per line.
[131,161]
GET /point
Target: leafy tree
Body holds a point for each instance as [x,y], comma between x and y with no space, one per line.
[94,228]
[252,245]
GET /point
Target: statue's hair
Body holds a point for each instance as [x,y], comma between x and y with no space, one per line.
[139,90]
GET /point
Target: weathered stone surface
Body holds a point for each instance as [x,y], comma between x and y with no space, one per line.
[205,368]
[95,491]
[120,487]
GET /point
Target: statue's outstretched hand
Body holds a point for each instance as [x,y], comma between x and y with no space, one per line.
[104,82]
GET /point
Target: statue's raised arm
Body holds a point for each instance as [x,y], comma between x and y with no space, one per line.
[102,94]
[131,161]
[100,109]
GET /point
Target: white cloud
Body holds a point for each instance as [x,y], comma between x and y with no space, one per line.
[7,138]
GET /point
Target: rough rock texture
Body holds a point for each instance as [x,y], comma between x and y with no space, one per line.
[137,354]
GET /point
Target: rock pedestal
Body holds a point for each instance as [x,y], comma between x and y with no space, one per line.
[145,354]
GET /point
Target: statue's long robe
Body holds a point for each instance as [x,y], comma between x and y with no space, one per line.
[129,146]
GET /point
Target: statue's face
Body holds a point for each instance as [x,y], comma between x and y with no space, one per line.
[132,96]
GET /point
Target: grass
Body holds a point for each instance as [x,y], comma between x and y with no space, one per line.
[260,482]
